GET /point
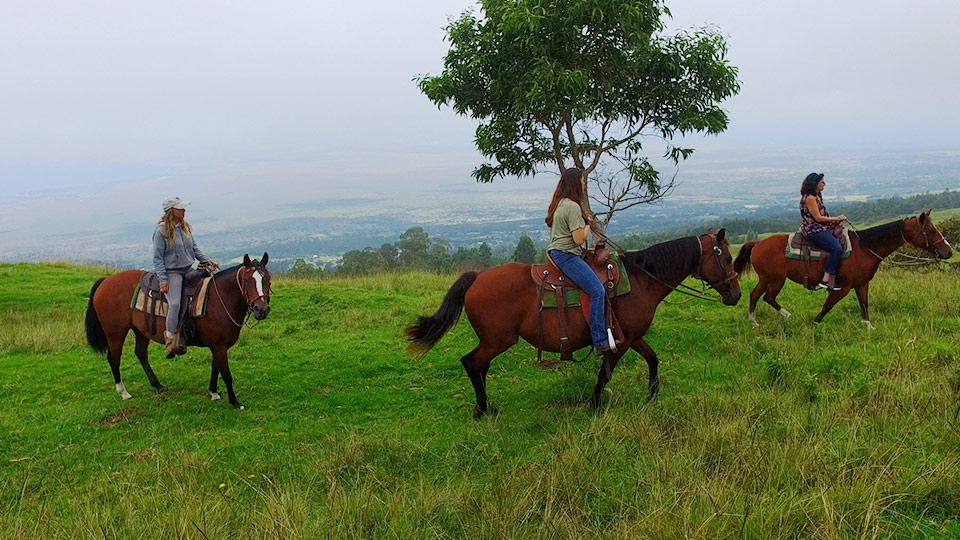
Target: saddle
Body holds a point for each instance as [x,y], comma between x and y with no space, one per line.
[148,298]
[800,247]
[548,277]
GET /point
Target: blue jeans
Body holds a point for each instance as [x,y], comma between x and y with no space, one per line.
[826,241]
[582,275]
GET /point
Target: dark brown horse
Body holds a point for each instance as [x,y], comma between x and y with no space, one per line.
[233,294]
[502,305]
[869,248]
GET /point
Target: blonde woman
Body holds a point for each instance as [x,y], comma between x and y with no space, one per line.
[174,252]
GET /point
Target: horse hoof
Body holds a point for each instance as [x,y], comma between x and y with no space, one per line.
[214,396]
[161,389]
[479,413]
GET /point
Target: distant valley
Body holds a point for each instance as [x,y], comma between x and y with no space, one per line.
[298,216]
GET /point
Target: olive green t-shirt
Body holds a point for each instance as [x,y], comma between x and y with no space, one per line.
[566,219]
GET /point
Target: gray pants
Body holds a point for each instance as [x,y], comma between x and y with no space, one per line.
[175,281]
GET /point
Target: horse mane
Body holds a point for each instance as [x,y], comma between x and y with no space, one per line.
[661,260]
[876,236]
[232,270]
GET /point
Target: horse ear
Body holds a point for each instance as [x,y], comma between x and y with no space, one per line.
[246,259]
[263,261]
[710,231]
[721,234]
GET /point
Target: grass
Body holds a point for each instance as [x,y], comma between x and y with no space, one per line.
[793,431]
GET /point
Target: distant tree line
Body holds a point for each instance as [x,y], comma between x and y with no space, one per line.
[416,250]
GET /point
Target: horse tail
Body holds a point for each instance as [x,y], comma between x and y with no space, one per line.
[96,337]
[742,264]
[427,331]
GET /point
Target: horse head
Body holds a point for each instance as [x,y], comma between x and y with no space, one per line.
[921,233]
[254,280]
[716,266]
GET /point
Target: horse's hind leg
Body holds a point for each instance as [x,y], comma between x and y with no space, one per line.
[477,364]
[769,290]
[141,348]
[754,296]
[114,350]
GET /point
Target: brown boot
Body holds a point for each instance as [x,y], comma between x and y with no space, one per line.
[170,340]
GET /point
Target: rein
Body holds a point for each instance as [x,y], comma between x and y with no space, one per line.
[246,318]
[683,288]
[914,260]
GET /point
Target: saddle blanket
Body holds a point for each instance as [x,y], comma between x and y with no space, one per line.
[573,296]
[796,243]
[142,301]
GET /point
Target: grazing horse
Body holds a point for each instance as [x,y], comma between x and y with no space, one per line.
[868,248]
[232,295]
[502,305]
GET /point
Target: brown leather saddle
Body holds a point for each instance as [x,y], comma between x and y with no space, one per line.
[800,247]
[150,285]
[548,277]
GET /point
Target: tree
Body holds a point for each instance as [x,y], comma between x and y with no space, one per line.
[585,83]
[413,248]
[526,252]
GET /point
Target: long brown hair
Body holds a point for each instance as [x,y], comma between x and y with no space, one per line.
[569,187]
[170,226]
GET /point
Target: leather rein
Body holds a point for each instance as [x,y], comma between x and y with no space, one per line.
[243,293]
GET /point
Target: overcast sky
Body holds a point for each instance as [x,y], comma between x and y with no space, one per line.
[104,91]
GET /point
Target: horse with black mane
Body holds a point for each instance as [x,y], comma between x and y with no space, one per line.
[233,294]
[868,248]
[502,305]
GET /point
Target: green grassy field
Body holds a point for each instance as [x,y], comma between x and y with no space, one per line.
[793,431]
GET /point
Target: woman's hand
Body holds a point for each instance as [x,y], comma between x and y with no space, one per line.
[164,287]
[841,218]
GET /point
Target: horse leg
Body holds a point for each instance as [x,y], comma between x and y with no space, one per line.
[607,364]
[142,344]
[864,305]
[833,298]
[653,363]
[771,298]
[214,375]
[477,364]
[220,364]
[754,296]
[114,350]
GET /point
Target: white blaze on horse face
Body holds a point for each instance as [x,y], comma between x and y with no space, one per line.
[258,279]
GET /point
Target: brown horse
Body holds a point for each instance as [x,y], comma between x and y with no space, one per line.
[502,305]
[869,248]
[233,294]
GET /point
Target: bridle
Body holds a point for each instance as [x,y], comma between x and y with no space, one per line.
[243,293]
[926,237]
[682,288]
[729,272]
